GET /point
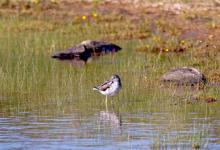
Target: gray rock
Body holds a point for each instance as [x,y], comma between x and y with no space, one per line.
[184,76]
[86,50]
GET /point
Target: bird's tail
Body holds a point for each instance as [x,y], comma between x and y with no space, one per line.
[63,56]
[95,88]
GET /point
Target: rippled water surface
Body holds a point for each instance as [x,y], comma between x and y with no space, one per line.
[73,126]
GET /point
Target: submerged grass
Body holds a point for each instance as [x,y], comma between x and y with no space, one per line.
[32,82]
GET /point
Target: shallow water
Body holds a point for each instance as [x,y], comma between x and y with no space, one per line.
[68,114]
[141,125]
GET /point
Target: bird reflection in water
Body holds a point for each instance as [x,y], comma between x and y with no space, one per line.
[111,118]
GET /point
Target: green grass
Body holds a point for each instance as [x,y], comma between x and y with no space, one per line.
[33,82]
[27,70]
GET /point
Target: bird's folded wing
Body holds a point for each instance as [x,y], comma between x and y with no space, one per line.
[105,85]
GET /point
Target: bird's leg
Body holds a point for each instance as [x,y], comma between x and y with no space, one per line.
[106,103]
[112,103]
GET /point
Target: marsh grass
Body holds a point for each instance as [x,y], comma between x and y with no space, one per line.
[33,82]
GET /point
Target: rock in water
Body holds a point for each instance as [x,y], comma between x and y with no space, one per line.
[86,50]
[184,76]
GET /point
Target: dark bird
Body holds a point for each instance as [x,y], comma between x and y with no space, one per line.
[184,76]
[86,50]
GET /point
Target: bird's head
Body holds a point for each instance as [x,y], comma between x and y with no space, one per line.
[116,78]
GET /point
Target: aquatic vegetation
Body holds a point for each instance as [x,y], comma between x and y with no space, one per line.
[39,94]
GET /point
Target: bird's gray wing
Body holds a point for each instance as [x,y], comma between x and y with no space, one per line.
[105,85]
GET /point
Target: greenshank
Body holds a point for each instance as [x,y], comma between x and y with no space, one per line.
[110,87]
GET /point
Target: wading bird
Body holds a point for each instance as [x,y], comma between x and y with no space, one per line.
[110,87]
